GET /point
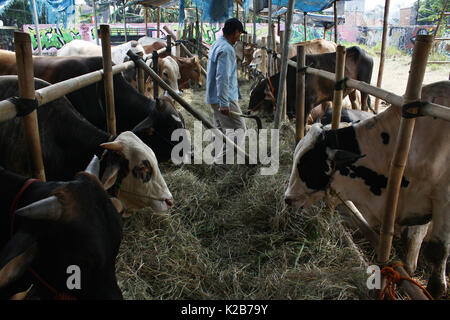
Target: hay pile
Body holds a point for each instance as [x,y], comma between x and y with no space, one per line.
[232,237]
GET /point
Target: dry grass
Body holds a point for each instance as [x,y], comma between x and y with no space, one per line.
[232,237]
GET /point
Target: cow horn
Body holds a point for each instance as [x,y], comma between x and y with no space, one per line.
[93,166]
[46,209]
[114,146]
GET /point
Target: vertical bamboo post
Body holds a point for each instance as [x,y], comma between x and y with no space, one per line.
[383,52]
[158,24]
[264,59]
[178,47]
[274,48]
[24,61]
[335,22]
[155,68]
[305,27]
[269,39]
[284,65]
[422,47]
[146,21]
[169,42]
[108,79]
[338,94]
[124,23]
[280,50]
[95,21]
[300,98]
[36,25]
[254,27]
[197,30]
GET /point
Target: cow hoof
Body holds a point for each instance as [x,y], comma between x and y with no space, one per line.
[436,288]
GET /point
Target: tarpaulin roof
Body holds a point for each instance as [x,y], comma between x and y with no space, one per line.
[312,19]
[306,5]
[216,10]
[56,10]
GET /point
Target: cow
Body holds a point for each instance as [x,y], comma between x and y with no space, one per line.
[52,230]
[168,70]
[129,169]
[190,68]
[157,119]
[354,163]
[347,115]
[358,66]
[316,46]
[85,48]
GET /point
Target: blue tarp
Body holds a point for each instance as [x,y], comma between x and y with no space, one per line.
[216,11]
[306,5]
[56,11]
[4,4]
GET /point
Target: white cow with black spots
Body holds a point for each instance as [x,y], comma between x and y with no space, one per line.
[354,162]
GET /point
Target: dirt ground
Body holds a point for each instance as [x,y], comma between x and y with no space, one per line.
[396,70]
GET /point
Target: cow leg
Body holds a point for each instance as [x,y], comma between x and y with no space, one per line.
[364,101]
[352,97]
[414,241]
[437,251]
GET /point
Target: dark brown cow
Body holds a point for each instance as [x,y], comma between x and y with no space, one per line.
[358,66]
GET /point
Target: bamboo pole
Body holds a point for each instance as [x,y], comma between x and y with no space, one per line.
[155,69]
[146,21]
[124,22]
[108,79]
[274,48]
[383,51]
[95,21]
[178,47]
[284,65]
[264,62]
[24,61]
[300,98]
[420,54]
[36,25]
[335,22]
[60,89]
[269,39]
[184,104]
[158,24]
[304,25]
[338,94]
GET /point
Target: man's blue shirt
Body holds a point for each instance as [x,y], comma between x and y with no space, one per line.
[221,80]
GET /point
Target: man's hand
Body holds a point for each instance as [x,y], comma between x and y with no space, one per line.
[225,110]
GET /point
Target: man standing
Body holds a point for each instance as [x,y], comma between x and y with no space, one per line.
[222,84]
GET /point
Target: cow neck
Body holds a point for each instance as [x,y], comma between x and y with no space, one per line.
[56,294]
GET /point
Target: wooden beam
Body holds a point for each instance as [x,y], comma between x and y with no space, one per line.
[108,79]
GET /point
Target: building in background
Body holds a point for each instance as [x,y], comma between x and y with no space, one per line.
[408,16]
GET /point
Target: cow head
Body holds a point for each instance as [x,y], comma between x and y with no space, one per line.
[257,59]
[190,70]
[315,163]
[69,234]
[133,175]
[170,72]
[261,98]
[248,54]
[157,128]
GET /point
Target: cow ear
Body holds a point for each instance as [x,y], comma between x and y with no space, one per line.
[110,176]
[16,257]
[342,158]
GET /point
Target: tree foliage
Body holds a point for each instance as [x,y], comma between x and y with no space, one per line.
[430,11]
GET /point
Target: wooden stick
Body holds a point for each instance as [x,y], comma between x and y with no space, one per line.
[60,89]
[108,79]
[338,94]
[24,61]
[284,66]
[383,51]
[158,24]
[155,69]
[300,99]
[186,105]
[335,22]
[420,54]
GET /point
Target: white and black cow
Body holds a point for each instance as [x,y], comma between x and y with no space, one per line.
[354,162]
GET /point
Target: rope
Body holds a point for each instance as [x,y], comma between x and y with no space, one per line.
[24,106]
[415,104]
[340,85]
[393,277]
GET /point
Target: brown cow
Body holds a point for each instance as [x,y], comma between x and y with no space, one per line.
[190,68]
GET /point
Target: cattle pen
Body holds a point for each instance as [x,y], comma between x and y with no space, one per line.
[231,236]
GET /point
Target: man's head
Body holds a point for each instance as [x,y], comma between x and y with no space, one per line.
[232,30]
